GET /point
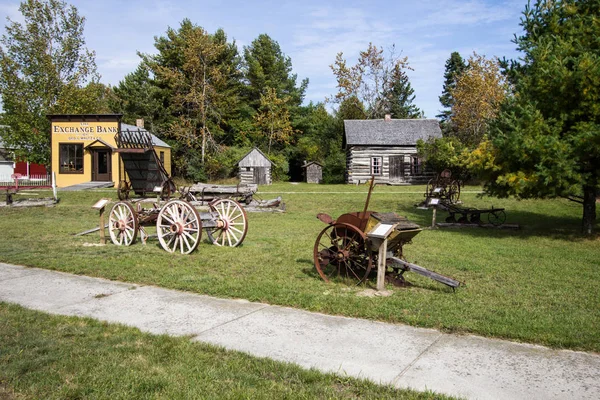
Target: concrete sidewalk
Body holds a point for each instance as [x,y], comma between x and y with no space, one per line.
[467,366]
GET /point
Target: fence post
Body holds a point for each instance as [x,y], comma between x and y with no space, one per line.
[54,186]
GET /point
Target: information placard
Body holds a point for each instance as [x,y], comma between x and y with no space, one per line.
[100,204]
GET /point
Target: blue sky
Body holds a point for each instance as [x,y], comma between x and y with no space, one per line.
[310,32]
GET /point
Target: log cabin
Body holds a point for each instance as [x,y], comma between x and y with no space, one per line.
[387,149]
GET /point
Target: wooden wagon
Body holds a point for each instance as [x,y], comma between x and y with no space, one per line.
[178,224]
[145,171]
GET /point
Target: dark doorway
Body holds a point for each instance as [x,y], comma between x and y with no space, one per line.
[396,168]
[260,175]
[101,161]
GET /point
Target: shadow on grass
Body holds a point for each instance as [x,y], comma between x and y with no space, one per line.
[371,282]
[531,224]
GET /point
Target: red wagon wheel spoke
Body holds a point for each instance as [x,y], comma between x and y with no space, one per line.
[123,224]
[178,227]
[232,223]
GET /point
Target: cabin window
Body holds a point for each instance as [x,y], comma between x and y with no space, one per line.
[247,169]
[70,158]
[376,165]
[162,157]
[416,167]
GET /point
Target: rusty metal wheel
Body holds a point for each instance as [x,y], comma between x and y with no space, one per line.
[232,223]
[178,227]
[341,250]
[123,224]
[429,189]
[496,217]
[454,192]
[167,189]
[123,190]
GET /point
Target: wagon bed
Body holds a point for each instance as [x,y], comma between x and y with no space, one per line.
[144,169]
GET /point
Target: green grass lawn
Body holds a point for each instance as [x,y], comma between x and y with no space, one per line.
[51,357]
[540,284]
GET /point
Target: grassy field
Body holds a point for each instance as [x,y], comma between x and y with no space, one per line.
[51,357]
[540,284]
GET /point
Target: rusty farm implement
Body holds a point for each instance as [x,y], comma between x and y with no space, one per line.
[352,244]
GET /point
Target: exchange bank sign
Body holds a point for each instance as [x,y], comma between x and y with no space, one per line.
[84,130]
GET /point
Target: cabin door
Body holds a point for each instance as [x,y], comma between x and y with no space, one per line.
[101,162]
[260,175]
[396,168]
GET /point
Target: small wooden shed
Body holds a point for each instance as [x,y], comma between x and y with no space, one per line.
[313,172]
[255,167]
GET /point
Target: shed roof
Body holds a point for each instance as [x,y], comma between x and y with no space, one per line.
[255,154]
[395,132]
[311,163]
[132,128]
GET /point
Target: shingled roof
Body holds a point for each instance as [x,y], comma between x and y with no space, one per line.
[126,128]
[395,132]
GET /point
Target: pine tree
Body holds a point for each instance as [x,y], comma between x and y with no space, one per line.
[455,66]
[546,139]
[265,66]
[400,98]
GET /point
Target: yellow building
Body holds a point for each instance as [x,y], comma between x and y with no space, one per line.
[93,148]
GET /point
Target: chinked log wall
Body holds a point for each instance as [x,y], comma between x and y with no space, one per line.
[248,176]
[358,164]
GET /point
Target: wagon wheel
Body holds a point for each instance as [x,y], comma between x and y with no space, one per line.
[123,224]
[454,192]
[341,249]
[232,224]
[168,188]
[496,217]
[429,189]
[123,190]
[178,227]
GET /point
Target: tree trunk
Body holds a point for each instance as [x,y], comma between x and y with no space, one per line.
[270,140]
[589,209]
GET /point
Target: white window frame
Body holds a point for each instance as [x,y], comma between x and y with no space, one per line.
[376,166]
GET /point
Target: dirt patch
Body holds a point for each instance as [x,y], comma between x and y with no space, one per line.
[375,293]
[43,202]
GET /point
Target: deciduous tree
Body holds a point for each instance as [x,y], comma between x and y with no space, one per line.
[45,68]
[273,118]
[477,96]
[194,71]
[379,83]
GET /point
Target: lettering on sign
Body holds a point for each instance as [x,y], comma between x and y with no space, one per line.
[84,129]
